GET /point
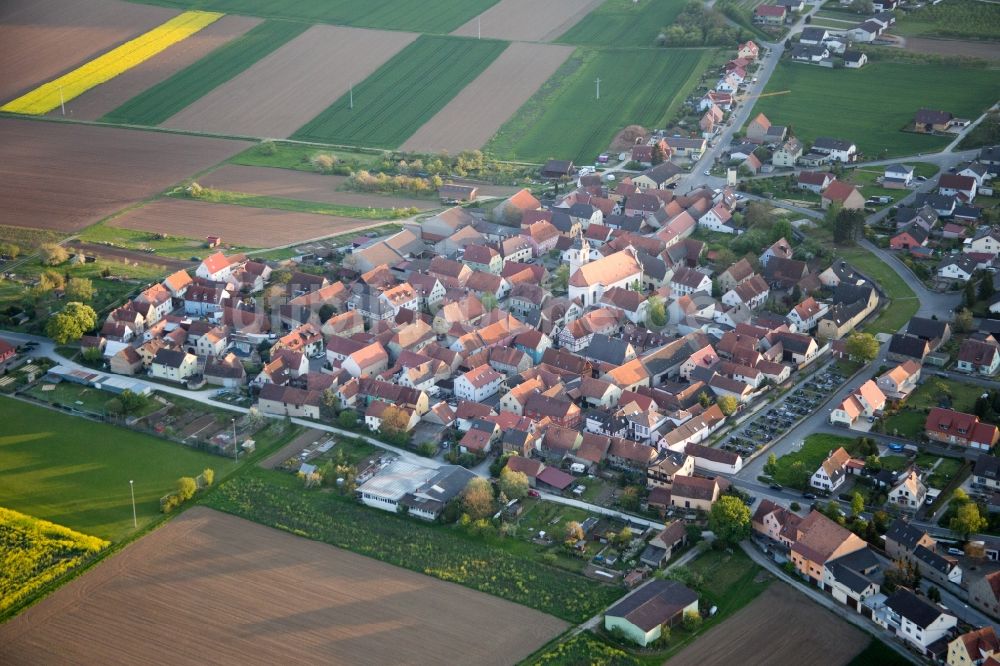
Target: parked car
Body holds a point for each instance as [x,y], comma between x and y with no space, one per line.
[808,496]
[777,486]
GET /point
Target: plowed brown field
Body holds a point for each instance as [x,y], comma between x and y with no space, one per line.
[288,88]
[213,588]
[528,20]
[106,97]
[475,114]
[41,39]
[265,181]
[63,177]
[809,634]
[242,225]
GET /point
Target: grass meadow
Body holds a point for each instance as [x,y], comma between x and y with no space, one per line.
[956,19]
[404,93]
[871,106]
[158,103]
[624,23]
[565,120]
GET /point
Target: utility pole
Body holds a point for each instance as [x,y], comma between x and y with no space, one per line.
[351,93]
[598,82]
[236,448]
[479,28]
[131,487]
[62,101]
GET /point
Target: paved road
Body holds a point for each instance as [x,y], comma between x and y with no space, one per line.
[932,303]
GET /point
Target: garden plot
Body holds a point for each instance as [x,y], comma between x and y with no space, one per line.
[469,120]
[41,39]
[283,91]
[528,20]
[260,595]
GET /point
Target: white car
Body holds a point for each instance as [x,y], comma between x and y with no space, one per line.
[707,172]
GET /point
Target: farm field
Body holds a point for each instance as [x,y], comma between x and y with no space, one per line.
[242,225]
[283,91]
[257,594]
[404,93]
[817,635]
[624,23]
[957,19]
[876,102]
[475,114]
[528,20]
[953,47]
[431,16]
[303,186]
[41,39]
[89,172]
[637,88]
[75,472]
[168,97]
[108,96]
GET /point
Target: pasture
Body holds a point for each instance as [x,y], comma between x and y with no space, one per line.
[624,23]
[41,39]
[76,473]
[875,103]
[432,16]
[955,19]
[404,93]
[256,594]
[548,19]
[241,225]
[564,119]
[475,114]
[170,96]
[90,172]
[283,91]
[817,635]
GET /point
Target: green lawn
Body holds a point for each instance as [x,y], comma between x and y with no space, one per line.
[624,23]
[404,93]
[875,103]
[813,452]
[436,16]
[906,423]
[894,463]
[928,394]
[81,397]
[298,157]
[76,473]
[563,119]
[177,247]
[296,205]
[160,102]
[957,19]
[904,302]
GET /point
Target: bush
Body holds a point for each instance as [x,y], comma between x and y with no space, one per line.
[267,148]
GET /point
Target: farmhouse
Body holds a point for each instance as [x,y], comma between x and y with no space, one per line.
[932,120]
[843,194]
[289,401]
[951,427]
[172,365]
[642,614]
[769,14]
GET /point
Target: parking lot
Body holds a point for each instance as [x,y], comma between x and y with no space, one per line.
[776,420]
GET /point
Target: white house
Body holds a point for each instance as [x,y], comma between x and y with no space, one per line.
[175,366]
[837,149]
[959,267]
[900,175]
[718,219]
[914,619]
[590,281]
[478,384]
[986,241]
[832,472]
[753,293]
[909,492]
[689,281]
[218,267]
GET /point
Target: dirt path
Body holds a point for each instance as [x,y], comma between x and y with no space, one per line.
[475,114]
[291,86]
[310,436]
[528,20]
[106,252]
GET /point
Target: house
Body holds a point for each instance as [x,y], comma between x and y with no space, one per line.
[7,351]
[909,492]
[289,401]
[370,360]
[909,237]
[642,614]
[951,427]
[673,463]
[748,50]
[757,128]
[851,304]
[177,283]
[902,539]
[986,473]
[985,241]
[984,593]
[957,267]
[769,14]
[736,274]
[719,219]
[903,347]
[954,185]
[899,382]
[866,32]
[836,149]
[662,546]
[451,194]
[973,647]
[688,281]
[770,520]
[787,154]
[424,491]
[850,578]
[658,177]
[897,176]
[483,258]
[694,492]
[227,371]
[126,361]
[173,365]
[218,267]
[932,120]
[811,53]
[855,59]
[832,472]
[817,541]
[915,620]
[979,354]
[813,35]
[814,181]
[478,384]
[589,282]
[806,315]
[751,294]
[842,194]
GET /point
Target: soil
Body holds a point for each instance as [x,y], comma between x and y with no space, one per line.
[761,633]
[209,587]
[240,225]
[953,47]
[625,140]
[43,39]
[476,113]
[109,96]
[293,448]
[64,177]
[288,88]
[528,20]
[289,184]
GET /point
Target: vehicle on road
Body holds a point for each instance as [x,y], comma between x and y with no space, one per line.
[808,496]
[707,172]
[896,446]
[777,486]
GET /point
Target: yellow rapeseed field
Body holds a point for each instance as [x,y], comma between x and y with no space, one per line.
[48,96]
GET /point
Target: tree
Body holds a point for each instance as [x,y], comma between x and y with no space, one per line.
[658,156]
[348,419]
[630,498]
[873,463]
[970,294]
[657,313]
[513,484]
[52,254]
[799,475]
[691,621]
[728,404]
[960,496]
[489,302]
[186,487]
[50,280]
[80,289]
[331,400]
[560,279]
[704,400]
[624,537]
[574,531]
[771,466]
[9,250]
[208,476]
[132,402]
[254,418]
[862,347]
[756,214]
[729,519]
[477,498]
[92,354]
[862,7]
[967,520]
[986,289]
[848,225]
[395,420]
[71,323]
[857,504]
[963,321]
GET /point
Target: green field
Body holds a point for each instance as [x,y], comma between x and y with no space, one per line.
[875,103]
[297,205]
[435,16]
[160,102]
[811,454]
[76,473]
[404,93]
[624,23]
[564,120]
[957,19]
